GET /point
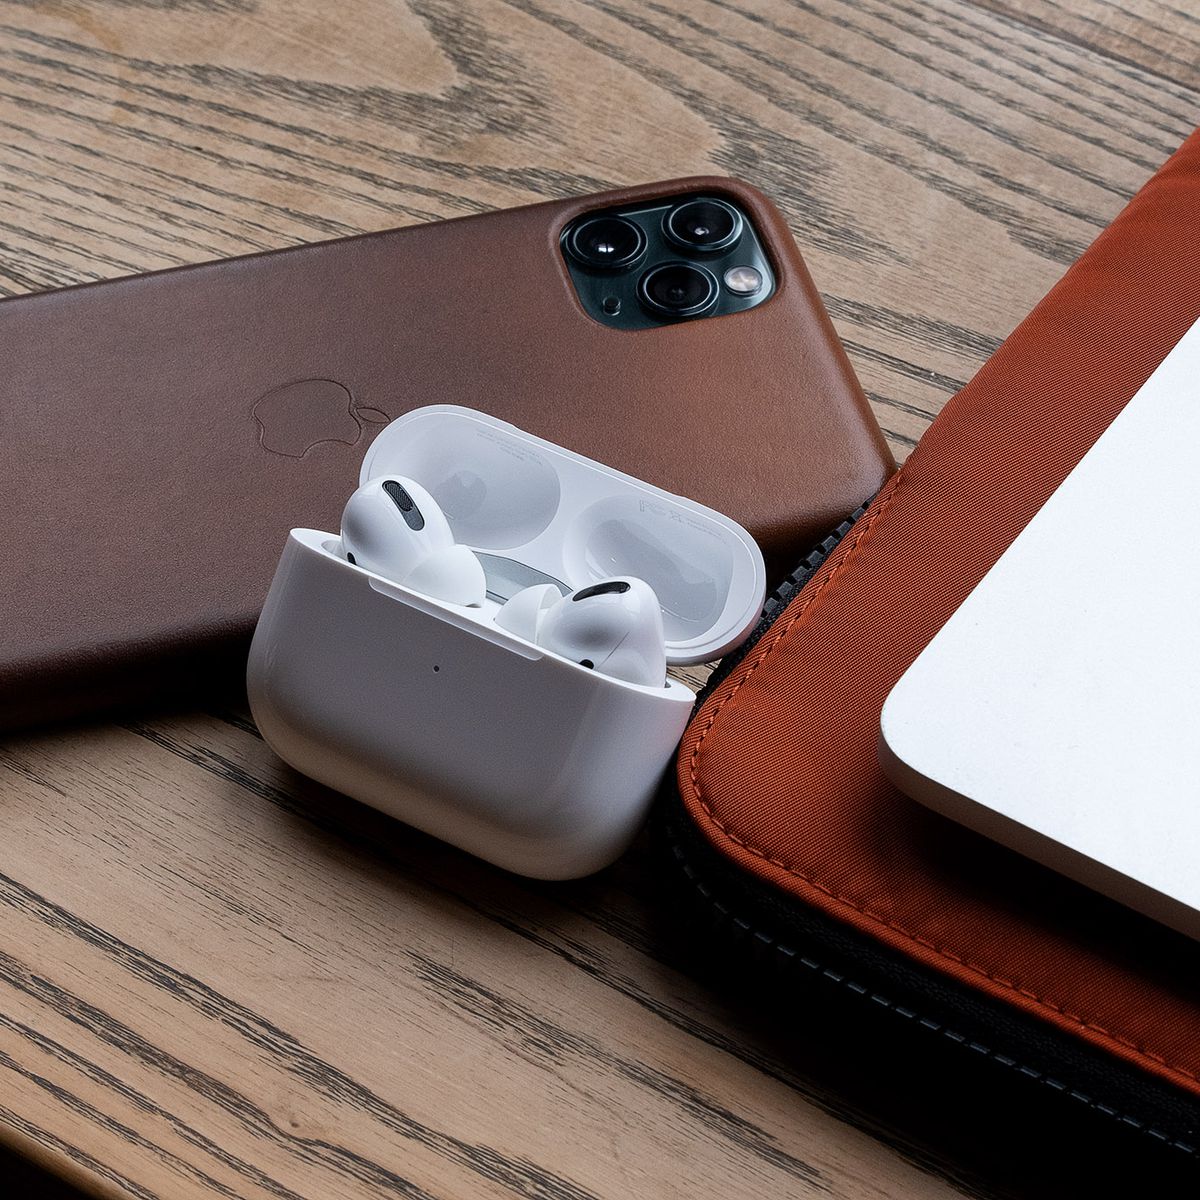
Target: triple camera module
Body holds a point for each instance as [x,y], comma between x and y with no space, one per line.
[694,256]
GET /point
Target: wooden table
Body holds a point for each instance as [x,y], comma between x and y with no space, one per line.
[217,980]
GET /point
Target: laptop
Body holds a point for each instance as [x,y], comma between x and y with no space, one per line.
[1058,710]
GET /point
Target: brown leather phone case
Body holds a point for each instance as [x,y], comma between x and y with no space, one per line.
[160,434]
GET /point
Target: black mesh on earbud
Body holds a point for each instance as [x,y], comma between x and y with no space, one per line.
[612,586]
[405,503]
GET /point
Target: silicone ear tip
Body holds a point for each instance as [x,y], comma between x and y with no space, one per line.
[522,614]
[453,574]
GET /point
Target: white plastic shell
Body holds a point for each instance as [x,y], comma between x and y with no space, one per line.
[436,715]
[508,493]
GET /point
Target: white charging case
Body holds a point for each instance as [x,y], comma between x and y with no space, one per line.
[433,713]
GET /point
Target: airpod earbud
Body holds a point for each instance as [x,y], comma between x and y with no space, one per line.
[614,627]
[524,612]
[393,527]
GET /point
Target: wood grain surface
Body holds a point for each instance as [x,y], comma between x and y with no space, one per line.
[216,979]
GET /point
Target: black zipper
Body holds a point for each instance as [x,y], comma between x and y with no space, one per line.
[794,943]
[778,599]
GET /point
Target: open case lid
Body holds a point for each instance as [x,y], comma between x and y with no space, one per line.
[522,502]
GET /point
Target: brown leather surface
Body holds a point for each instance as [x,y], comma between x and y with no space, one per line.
[154,453]
[779,767]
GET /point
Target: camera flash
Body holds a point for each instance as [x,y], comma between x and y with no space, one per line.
[744,281]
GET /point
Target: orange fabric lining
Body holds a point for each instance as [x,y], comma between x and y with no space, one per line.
[779,766]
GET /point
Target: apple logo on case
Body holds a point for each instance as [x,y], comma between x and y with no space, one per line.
[295,417]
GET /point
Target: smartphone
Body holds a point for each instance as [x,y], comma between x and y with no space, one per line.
[160,434]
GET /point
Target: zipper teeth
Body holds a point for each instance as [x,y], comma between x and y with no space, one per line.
[779,598]
[785,960]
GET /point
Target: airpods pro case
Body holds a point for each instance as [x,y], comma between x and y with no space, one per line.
[435,714]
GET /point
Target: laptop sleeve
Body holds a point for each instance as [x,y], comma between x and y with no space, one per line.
[785,831]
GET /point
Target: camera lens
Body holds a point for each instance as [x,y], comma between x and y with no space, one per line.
[678,289]
[704,225]
[606,243]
